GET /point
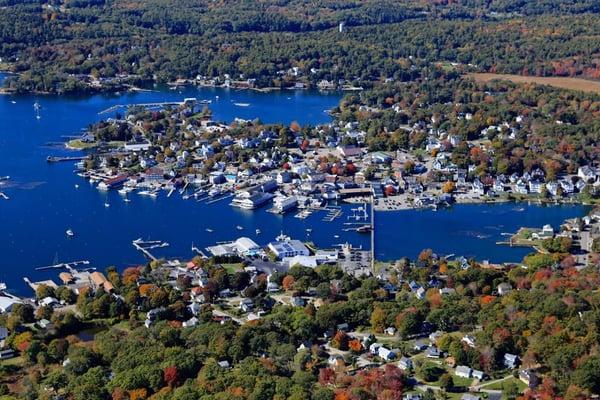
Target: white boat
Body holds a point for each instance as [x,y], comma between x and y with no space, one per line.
[70,233]
[242,104]
[258,231]
[239,228]
[76,186]
[336,236]
[209,230]
[214,192]
[106,205]
[127,200]
[144,193]
[14,102]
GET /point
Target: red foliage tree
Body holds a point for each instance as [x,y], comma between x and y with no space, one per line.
[171,375]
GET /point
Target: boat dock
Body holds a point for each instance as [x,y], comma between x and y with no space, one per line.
[67,265]
[59,159]
[35,285]
[198,251]
[211,201]
[332,213]
[146,245]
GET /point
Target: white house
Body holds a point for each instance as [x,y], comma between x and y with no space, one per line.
[586,173]
[463,371]
[469,340]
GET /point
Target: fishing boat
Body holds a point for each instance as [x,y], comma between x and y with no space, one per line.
[70,233]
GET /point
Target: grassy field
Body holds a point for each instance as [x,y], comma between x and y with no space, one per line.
[559,82]
[500,385]
[233,268]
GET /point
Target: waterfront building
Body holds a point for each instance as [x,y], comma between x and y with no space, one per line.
[288,248]
[281,204]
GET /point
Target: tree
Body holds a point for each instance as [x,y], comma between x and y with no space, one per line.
[447,382]
[587,374]
[340,341]
[378,320]
[44,291]
[288,282]
[171,375]
[448,187]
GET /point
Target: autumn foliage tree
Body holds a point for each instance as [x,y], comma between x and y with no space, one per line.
[171,375]
[288,282]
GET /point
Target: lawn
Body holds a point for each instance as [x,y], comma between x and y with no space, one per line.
[500,385]
[559,82]
[233,268]
[17,361]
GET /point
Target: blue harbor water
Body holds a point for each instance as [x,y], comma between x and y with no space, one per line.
[44,201]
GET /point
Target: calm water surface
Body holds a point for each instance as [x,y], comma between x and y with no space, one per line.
[44,201]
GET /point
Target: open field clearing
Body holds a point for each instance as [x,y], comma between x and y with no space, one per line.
[559,82]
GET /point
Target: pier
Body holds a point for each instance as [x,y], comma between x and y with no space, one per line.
[67,265]
[146,245]
[59,159]
[35,285]
[198,251]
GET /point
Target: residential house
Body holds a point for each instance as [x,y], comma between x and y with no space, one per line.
[478,188]
[503,288]
[535,186]
[521,187]
[386,353]
[405,364]
[468,340]
[529,377]
[433,352]
[511,361]
[567,186]
[479,375]
[552,188]
[586,173]
[463,371]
